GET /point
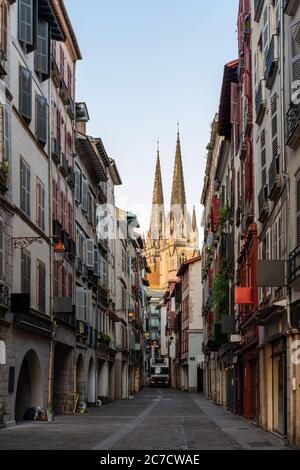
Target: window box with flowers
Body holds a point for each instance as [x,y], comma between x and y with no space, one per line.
[4,174]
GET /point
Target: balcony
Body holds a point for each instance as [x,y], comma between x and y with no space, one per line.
[258,8]
[271,62]
[82,329]
[275,180]
[263,205]
[260,102]
[294,269]
[78,266]
[290,7]
[64,166]
[293,126]
[55,151]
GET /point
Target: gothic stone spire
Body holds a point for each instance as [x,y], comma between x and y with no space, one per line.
[178,191]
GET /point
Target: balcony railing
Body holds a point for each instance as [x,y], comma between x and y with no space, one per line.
[78,266]
[263,205]
[55,151]
[271,62]
[275,181]
[64,168]
[82,329]
[258,8]
[293,126]
[260,103]
[67,318]
[294,266]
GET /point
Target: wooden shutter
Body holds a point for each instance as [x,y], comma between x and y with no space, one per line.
[25,27]
[80,304]
[89,307]
[41,119]
[62,63]
[25,272]
[55,200]
[235,111]
[70,220]
[25,93]
[85,192]
[97,263]
[41,205]
[295,60]
[274,126]
[24,187]
[3,37]
[58,127]
[41,286]
[89,253]
[63,209]
[78,189]
[263,156]
[41,59]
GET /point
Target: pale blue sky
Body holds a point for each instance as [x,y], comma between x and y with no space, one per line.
[146,65]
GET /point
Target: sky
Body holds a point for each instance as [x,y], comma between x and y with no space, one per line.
[148,64]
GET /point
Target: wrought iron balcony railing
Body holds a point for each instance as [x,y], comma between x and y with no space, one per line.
[275,181]
[260,102]
[271,62]
[293,126]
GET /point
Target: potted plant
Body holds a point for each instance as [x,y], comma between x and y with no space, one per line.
[4,174]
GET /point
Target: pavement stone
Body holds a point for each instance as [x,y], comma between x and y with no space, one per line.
[154,420]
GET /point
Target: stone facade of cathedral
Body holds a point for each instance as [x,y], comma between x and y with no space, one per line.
[173,235]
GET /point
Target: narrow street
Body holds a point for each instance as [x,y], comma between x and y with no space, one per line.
[155,420]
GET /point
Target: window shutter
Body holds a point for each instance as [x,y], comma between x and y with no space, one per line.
[1,250]
[263,157]
[41,286]
[25,27]
[274,126]
[85,192]
[89,253]
[89,307]
[97,263]
[25,272]
[295,59]
[41,119]
[55,201]
[62,63]
[235,112]
[58,127]
[298,210]
[78,190]
[70,216]
[3,38]
[80,304]
[25,93]
[63,210]
[41,58]
[24,187]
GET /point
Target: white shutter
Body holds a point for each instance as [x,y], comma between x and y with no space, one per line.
[269,254]
[85,192]
[89,307]
[80,303]
[97,263]
[89,253]
[295,62]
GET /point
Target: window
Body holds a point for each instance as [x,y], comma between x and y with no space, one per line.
[3,32]
[41,119]
[84,309]
[41,286]
[26,17]
[78,184]
[25,94]
[25,187]
[25,272]
[41,59]
[1,249]
[85,191]
[263,157]
[89,253]
[41,204]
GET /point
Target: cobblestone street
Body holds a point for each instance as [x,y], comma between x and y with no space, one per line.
[154,420]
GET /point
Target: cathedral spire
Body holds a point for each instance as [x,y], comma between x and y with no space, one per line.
[178,191]
[158,195]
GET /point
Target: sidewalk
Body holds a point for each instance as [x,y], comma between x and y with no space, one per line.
[246,435]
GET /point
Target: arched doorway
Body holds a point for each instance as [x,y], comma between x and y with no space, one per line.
[80,380]
[30,386]
[92,382]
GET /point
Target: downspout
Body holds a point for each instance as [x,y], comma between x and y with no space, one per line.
[284,155]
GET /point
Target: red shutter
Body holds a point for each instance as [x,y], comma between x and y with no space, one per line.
[58,124]
[69,80]
[70,221]
[235,112]
[62,63]
[216,214]
[63,214]
[55,201]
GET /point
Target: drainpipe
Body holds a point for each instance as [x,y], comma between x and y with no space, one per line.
[284,154]
[51,351]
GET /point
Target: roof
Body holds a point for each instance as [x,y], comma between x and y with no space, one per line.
[230,76]
[86,151]
[46,11]
[185,265]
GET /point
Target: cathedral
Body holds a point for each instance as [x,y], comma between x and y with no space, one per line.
[173,235]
